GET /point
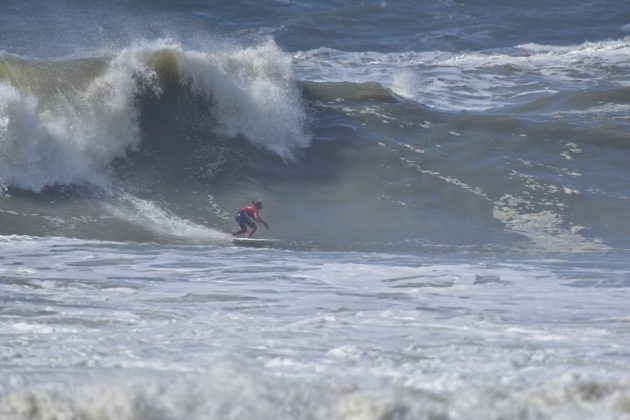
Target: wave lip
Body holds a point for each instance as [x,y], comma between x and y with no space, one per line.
[254,95]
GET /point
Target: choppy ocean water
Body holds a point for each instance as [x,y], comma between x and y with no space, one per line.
[448,182]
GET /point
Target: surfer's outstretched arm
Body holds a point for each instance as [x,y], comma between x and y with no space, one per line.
[263,222]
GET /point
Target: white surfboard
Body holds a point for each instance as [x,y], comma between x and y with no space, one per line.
[255,242]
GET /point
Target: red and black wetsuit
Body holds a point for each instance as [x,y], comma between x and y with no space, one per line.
[246,216]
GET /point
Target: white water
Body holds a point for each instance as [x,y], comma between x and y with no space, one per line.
[99,329]
[475,81]
[148,215]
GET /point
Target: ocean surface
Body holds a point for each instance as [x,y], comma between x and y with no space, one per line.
[448,183]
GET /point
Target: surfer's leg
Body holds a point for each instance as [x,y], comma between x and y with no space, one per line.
[253,227]
[241,223]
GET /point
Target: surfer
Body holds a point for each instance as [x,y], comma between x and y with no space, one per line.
[246,217]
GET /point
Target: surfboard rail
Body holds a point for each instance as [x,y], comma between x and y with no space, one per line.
[255,242]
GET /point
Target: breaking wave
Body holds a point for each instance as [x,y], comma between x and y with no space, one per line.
[64,127]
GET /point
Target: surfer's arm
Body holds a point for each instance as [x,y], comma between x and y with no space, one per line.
[262,221]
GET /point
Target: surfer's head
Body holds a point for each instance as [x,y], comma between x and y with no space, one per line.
[258,204]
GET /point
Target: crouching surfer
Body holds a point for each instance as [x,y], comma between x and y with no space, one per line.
[246,217]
